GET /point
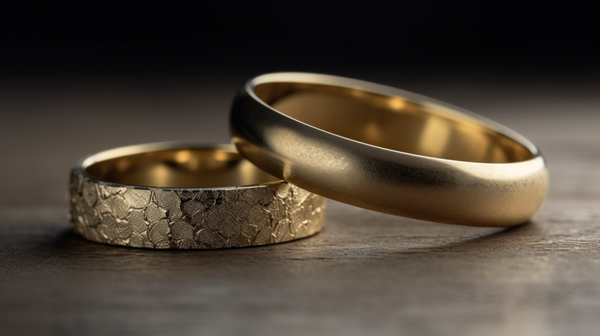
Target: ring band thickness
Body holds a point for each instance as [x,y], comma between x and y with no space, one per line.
[388,150]
[186,218]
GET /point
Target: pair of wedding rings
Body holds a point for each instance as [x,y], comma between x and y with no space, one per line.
[301,137]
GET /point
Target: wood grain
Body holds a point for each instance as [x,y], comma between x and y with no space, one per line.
[366,273]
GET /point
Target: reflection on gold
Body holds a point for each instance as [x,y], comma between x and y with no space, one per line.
[358,93]
[435,137]
[183,156]
[160,174]
[373,133]
[222,156]
[397,103]
[392,122]
[179,168]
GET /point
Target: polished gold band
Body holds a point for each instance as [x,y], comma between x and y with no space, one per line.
[388,150]
[186,196]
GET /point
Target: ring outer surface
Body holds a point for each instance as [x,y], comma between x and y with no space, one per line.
[381,179]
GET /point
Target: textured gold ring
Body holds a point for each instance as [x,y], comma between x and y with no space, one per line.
[388,150]
[186,196]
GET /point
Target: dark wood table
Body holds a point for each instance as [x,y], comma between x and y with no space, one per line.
[365,273]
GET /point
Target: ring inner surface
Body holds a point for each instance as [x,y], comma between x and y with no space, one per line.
[392,122]
[180,168]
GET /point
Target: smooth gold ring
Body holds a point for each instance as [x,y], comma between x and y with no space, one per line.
[388,150]
[186,196]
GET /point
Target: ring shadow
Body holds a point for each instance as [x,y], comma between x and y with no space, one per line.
[507,238]
[70,241]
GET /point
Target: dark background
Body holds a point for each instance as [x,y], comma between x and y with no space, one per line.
[320,36]
[77,79]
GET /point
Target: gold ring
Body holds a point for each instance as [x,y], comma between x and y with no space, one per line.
[388,150]
[186,196]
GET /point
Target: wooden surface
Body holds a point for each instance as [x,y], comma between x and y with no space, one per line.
[366,273]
